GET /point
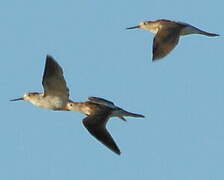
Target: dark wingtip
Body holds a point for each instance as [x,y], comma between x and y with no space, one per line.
[116,150]
[142,116]
[211,34]
[214,35]
[50,61]
[49,57]
[154,58]
[139,115]
[119,153]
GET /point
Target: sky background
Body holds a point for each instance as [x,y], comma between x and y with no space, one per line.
[182,96]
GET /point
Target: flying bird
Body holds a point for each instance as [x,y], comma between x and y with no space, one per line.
[167,34]
[98,112]
[56,92]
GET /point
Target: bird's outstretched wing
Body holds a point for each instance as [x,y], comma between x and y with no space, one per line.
[165,40]
[53,80]
[96,125]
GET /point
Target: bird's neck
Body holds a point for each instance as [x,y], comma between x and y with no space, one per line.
[153,27]
[81,107]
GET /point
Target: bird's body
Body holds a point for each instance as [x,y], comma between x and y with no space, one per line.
[98,111]
[167,34]
[46,102]
[56,93]
[91,107]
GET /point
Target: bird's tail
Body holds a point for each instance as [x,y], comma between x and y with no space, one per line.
[123,113]
[207,33]
[193,30]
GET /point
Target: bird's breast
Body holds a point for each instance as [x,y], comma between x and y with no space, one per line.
[153,27]
[49,102]
[87,110]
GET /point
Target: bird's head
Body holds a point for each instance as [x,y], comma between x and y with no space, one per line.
[26,97]
[147,25]
[70,106]
[141,25]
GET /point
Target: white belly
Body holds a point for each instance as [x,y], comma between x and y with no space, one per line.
[49,102]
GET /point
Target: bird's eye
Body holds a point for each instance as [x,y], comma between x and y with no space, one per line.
[71,105]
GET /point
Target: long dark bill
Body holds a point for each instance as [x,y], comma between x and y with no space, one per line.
[134,27]
[16,99]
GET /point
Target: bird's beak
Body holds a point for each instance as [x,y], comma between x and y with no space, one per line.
[17,99]
[134,27]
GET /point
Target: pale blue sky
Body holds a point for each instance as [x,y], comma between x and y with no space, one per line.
[182,96]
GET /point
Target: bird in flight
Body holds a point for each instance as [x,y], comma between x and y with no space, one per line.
[56,92]
[167,34]
[56,97]
[98,112]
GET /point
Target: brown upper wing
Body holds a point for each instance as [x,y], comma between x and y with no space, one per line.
[53,79]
